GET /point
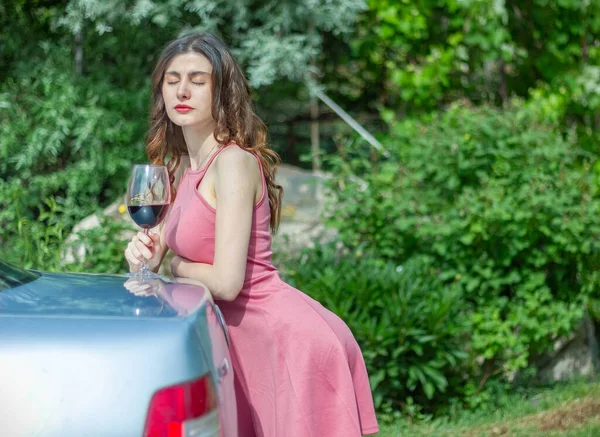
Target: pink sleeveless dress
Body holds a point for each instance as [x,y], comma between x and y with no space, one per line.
[297,367]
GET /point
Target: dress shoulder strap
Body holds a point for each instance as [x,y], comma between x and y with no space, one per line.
[213,157]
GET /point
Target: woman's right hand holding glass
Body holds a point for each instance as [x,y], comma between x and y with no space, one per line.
[144,246]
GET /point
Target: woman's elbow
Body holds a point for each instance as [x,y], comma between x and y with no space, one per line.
[227,296]
[229,290]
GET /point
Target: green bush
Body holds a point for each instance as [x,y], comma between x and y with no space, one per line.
[506,207]
[68,138]
[410,327]
[38,242]
[43,243]
[104,245]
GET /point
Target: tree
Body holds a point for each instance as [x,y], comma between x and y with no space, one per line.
[273,39]
[417,55]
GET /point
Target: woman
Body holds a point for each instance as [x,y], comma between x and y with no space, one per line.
[298,369]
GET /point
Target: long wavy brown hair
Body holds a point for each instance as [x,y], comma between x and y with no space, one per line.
[232,110]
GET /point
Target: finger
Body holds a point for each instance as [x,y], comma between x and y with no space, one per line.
[155,237]
[140,289]
[131,282]
[145,239]
[136,288]
[144,250]
[131,258]
[134,251]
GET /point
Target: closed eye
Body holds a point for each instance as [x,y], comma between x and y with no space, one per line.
[176,82]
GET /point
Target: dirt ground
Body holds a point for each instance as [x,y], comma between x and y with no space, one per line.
[564,418]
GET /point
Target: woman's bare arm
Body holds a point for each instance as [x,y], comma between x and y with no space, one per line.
[237,180]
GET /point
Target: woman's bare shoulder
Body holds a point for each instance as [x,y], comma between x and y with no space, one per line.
[235,155]
[237,159]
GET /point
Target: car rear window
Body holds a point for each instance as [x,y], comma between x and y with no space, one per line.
[11,276]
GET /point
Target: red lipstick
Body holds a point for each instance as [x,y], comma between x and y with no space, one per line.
[183,109]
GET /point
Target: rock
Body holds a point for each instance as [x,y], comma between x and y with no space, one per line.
[301,216]
[575,355]
[75,252]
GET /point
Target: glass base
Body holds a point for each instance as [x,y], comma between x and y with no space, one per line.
[144,275]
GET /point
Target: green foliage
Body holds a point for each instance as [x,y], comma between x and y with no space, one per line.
[411,329]
[38,242]
[65,139]
[44,243]
[557,410]
[416,55]
[506,207]
[572,100]
[104,247]
[274,39]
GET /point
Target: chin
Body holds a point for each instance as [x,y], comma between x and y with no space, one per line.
[183,121]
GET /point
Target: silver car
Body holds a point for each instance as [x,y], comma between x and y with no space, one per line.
[98,355]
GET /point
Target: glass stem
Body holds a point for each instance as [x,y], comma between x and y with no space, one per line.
[145,269]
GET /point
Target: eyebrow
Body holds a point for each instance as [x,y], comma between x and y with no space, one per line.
[191,74]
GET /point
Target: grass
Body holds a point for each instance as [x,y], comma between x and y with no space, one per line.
[565,410]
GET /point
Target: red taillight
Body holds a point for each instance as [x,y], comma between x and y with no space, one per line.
[171,407]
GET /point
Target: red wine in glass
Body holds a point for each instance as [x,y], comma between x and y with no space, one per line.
[148,216]
[148,199]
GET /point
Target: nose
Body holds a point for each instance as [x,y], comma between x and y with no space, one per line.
[183,91]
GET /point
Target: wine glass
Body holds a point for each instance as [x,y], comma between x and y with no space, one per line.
[148,199]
